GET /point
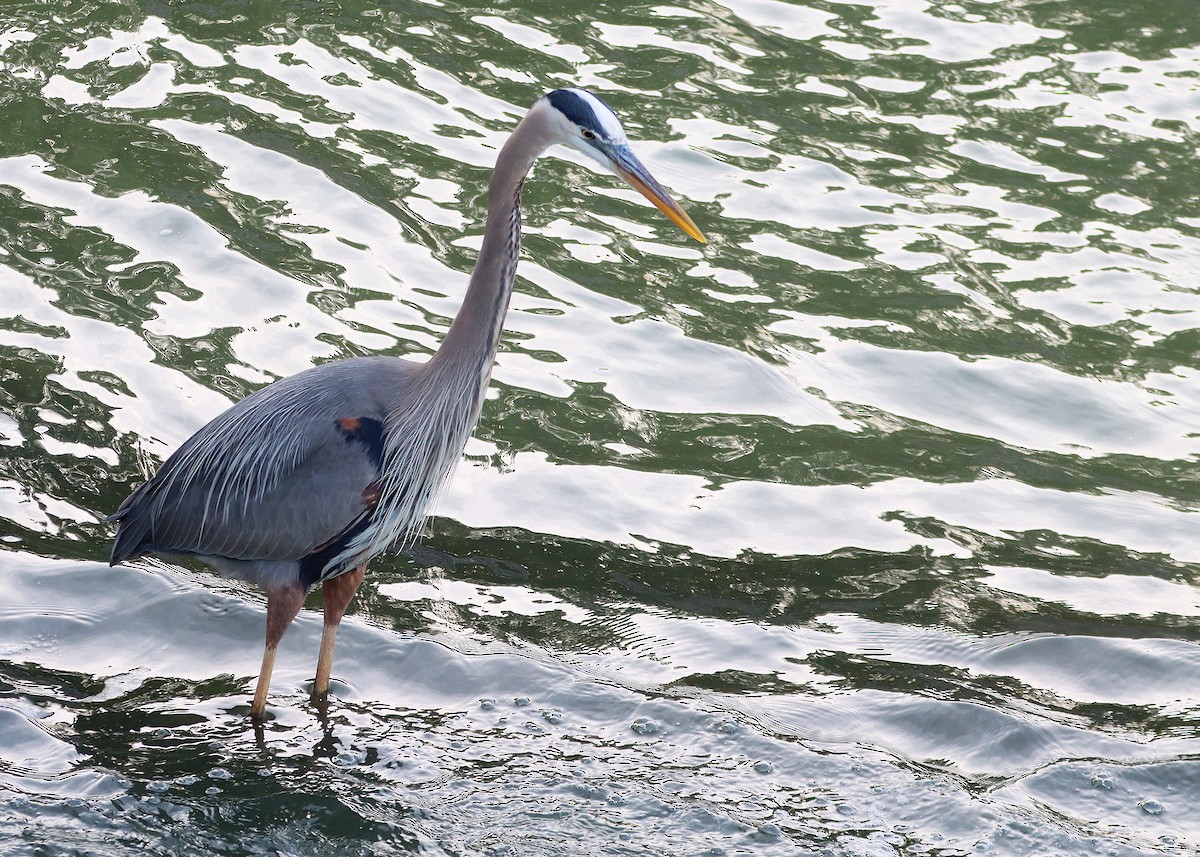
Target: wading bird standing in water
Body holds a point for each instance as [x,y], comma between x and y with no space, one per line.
[309,478]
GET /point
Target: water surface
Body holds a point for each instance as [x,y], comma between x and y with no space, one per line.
[867,529]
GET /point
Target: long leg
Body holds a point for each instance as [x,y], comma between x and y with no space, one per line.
[337,593]
[283,603]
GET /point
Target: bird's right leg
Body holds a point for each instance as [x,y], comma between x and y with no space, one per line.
[283,603]
[337,592]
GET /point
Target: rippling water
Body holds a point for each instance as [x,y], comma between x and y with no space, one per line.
[868,529]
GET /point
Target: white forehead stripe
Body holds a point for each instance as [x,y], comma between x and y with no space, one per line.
[609,124]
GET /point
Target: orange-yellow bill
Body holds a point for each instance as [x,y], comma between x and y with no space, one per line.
[631,170]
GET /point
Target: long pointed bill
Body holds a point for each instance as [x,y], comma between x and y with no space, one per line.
[628,167]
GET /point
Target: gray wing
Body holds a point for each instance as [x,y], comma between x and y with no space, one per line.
[278,476]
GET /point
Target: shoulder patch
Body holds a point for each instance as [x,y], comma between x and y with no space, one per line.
[365,430]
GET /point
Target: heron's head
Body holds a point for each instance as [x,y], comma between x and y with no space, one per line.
[582,120]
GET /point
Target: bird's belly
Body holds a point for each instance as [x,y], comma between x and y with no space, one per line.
[267,573]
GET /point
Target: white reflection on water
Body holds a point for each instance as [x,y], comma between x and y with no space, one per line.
[1111,594]
[607,504]
[898,177]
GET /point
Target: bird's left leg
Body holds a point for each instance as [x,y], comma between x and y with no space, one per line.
[283,603]
[337,593]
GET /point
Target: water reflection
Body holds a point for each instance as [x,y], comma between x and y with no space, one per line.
[866,530]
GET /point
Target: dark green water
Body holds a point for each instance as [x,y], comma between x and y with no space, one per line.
[868,529]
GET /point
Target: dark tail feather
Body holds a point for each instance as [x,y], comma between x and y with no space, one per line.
[132,531]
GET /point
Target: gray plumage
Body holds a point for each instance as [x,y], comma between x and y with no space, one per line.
[273,479]
[307,479]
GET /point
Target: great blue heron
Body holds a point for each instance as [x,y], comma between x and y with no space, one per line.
[306,480]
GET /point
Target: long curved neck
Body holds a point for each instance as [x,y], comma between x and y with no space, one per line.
[474,335]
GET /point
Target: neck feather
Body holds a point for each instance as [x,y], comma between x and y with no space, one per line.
[474,335]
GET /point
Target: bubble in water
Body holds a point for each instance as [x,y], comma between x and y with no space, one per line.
[1103,780]
[220,774]
[157,786]
[764,767]
[521,701]
[350,758]
[645,726]
[487,704]
[1151,806]
[552,717]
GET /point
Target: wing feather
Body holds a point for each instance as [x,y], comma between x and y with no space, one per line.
[275,477]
